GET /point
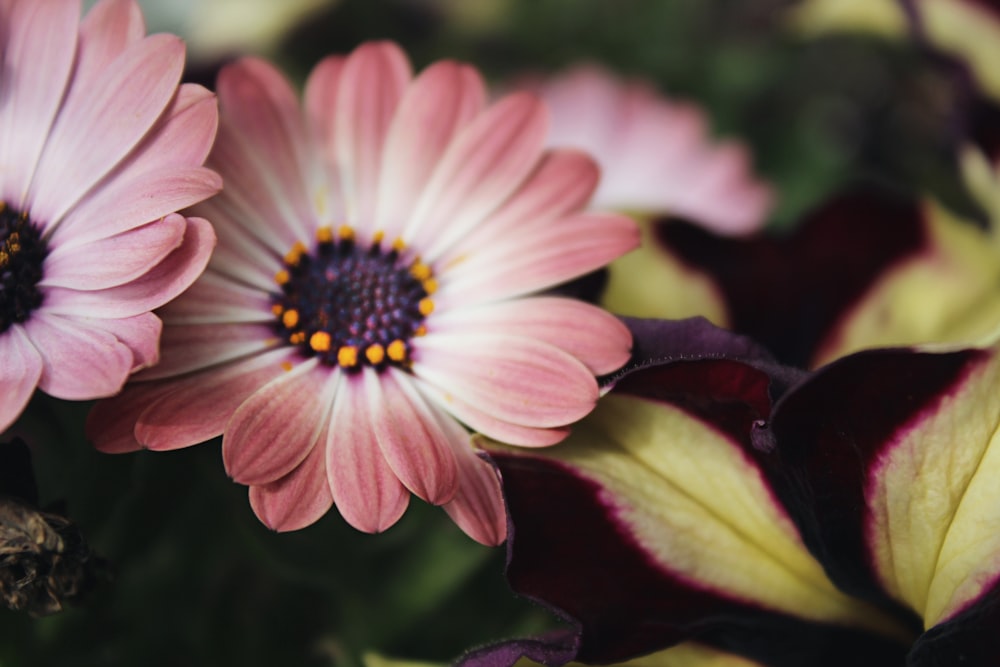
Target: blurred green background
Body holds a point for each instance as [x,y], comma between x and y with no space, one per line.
[198,580]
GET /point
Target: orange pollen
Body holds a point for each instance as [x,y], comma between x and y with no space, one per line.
[320,341]
[421,331]
[345,232]
[282,277]
[295,254]
[290,318]
[420,271]
[426,306]
[377,237]
[397,350]
[287,365]
[375,354]
[297,338]
[347,356]
[324,235]
[399,245]
[277,309]
[430,285]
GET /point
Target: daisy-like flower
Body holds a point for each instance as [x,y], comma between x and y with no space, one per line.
[376,285]
[99,146]
[656,155]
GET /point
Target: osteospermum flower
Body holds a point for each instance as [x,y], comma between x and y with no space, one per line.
[656,155]
[380,257]
[99,146]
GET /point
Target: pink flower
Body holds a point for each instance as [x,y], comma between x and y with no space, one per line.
[376,285]
[98,148]
[655,154]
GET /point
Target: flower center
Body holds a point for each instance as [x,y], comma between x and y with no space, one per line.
[351,305]
[22,252]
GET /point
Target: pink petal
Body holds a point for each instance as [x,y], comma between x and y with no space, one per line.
[719,193]
[320,102]
[561,184]
[79,362]
[299,498]
[98,127]
[110,27]
[373,80]
[365,489]
[478,507]
[262,112]
[196,407]
[195,347]
[552,254]
[161,284]
[439,103]
[140,333]
[120,258]
[40,43]
[657,154]
[484,165]
[110,425]
[515,379]
[273,430]
[19,374]
[134,199]
[594,336]
[183,136]
[216,299]
[409,438]
[485,422]
[241,254]
[253,201]
[160,176]
[176,413]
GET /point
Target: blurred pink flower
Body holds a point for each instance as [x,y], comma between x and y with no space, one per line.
[98,148]
[656,155]
[381,251]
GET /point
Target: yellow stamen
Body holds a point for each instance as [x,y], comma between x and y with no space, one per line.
[399,245]
[397,350]
[345,232]
[375,354]
[277,309]
[430,285]
[295,254]
[320,341]
[377,237]
[290,318]
[297,338]
[282,277]
[426,306]
[324,234]
[347,356]
[420,271]
[287,365]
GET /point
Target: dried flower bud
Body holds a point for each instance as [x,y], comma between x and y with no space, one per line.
[44,560]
